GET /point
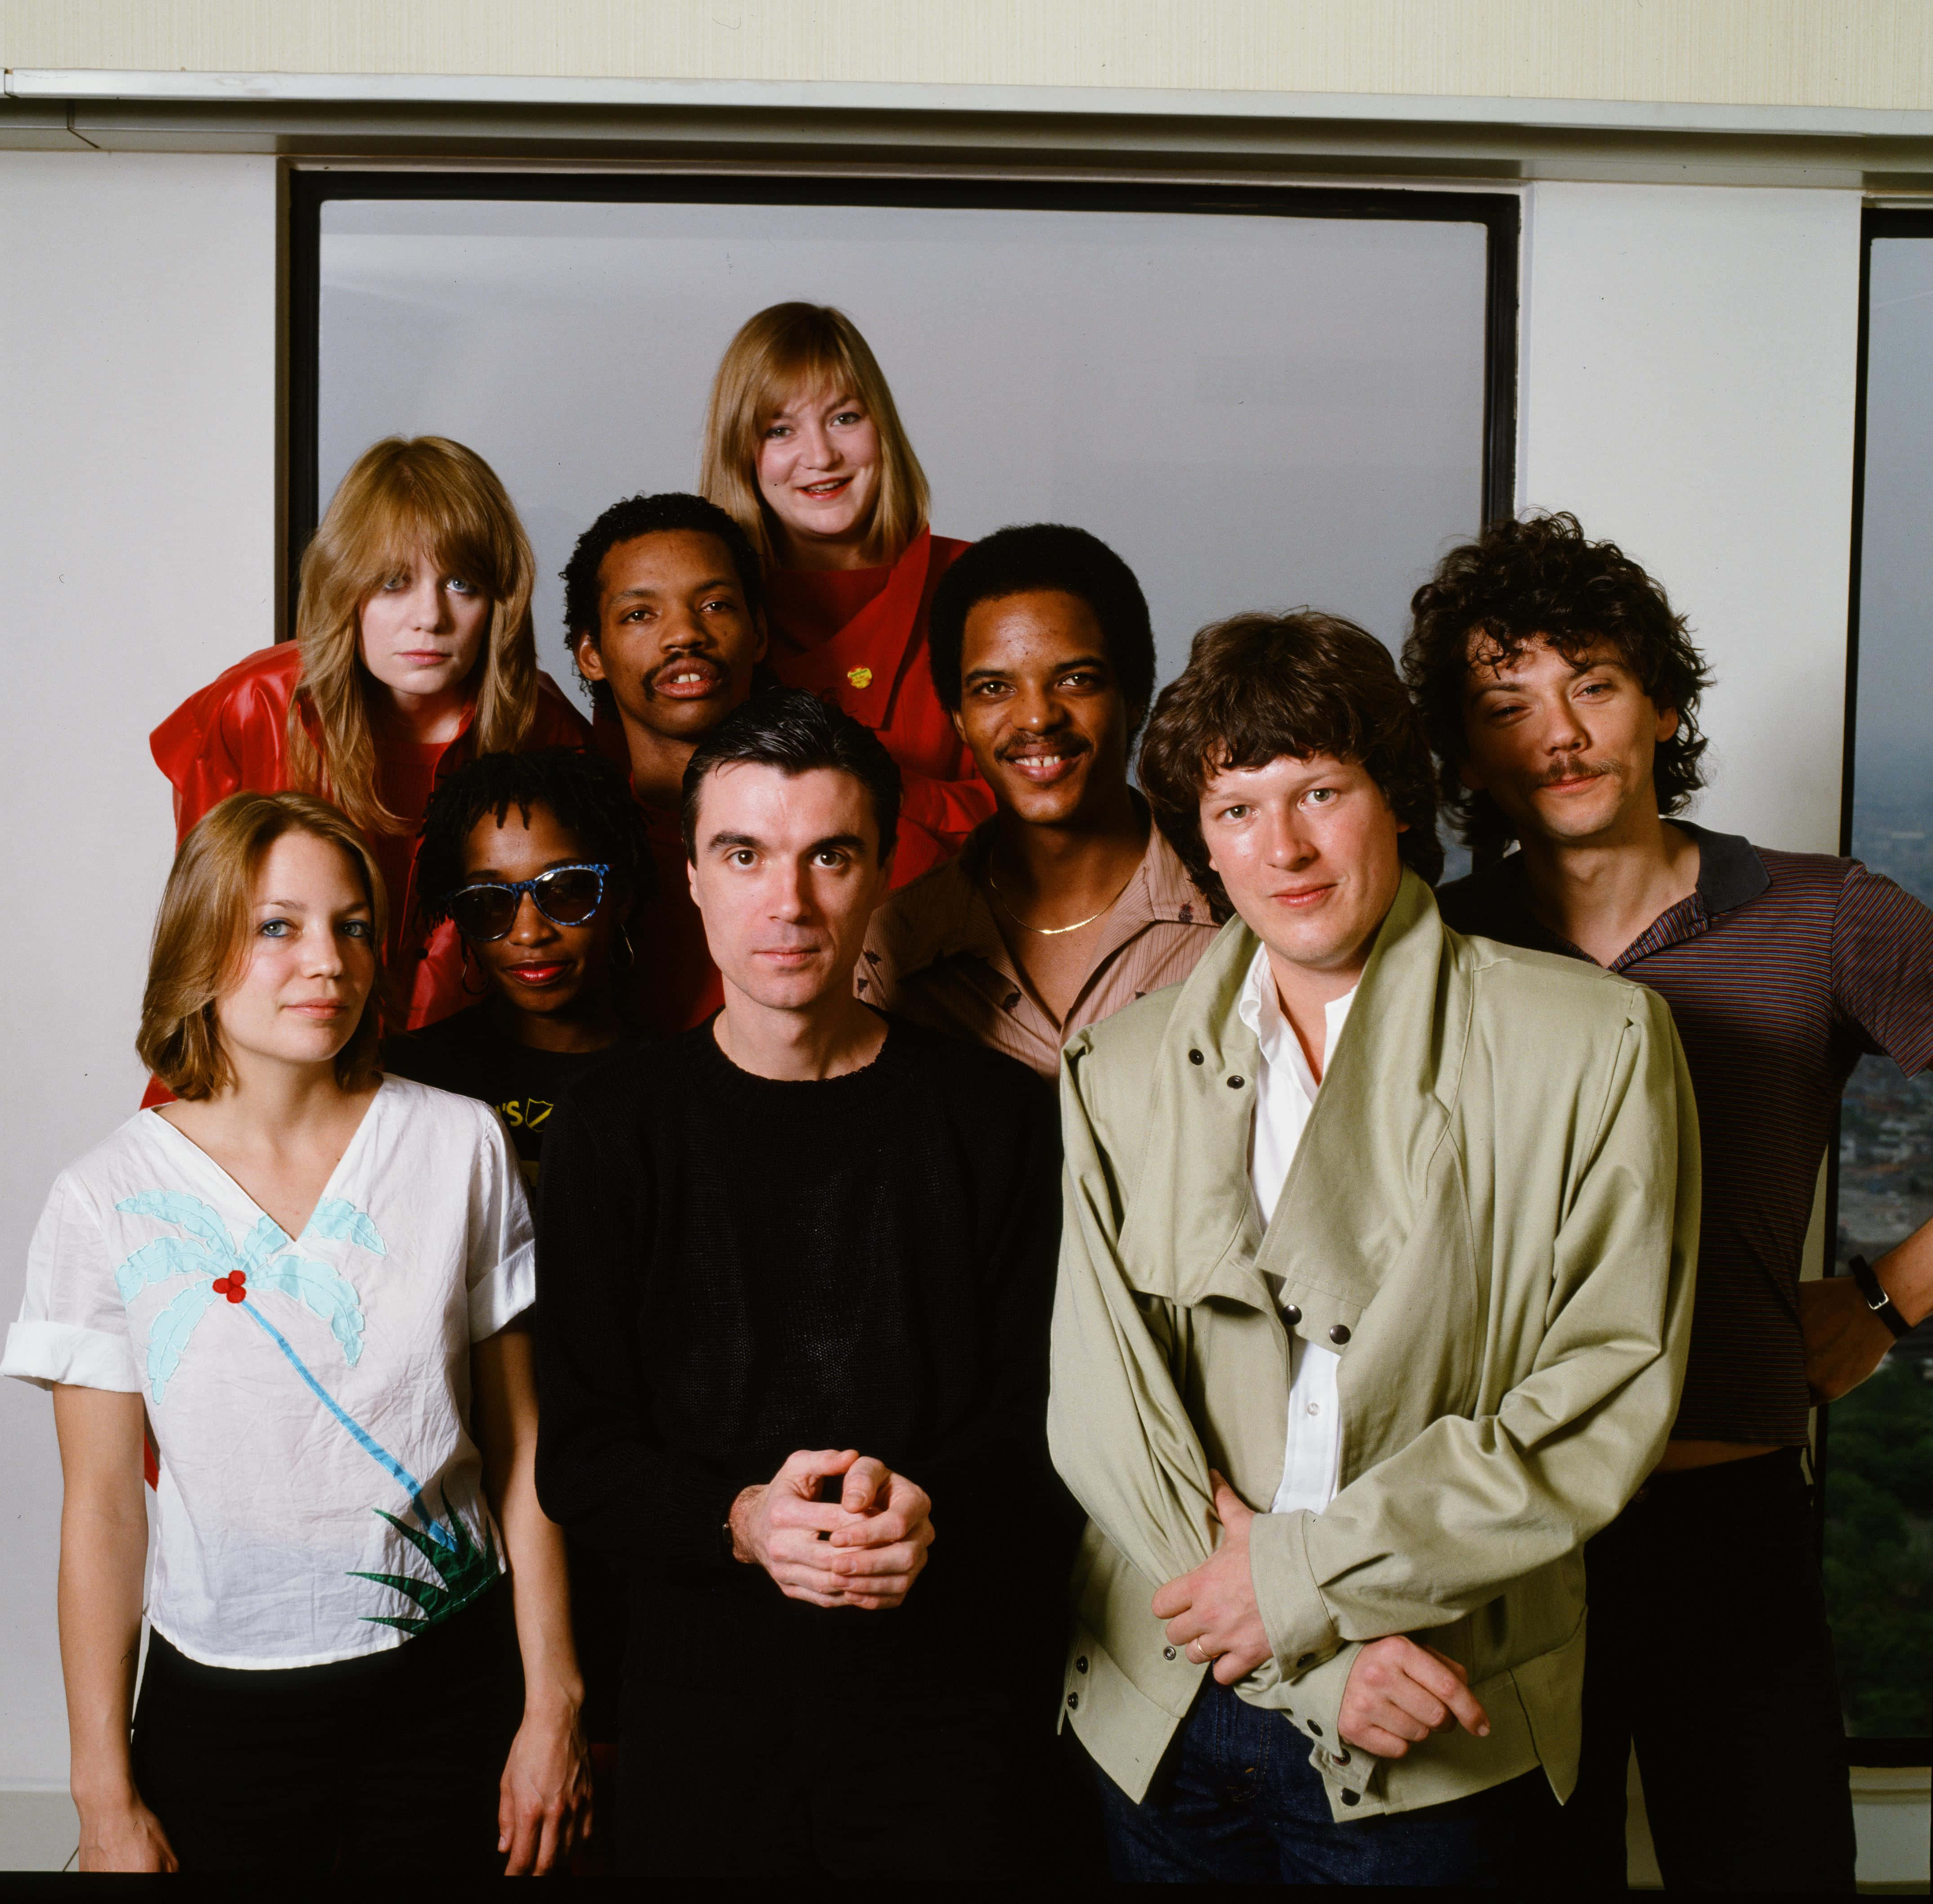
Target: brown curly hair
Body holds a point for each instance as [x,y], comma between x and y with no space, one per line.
[1540,579]
[1260,687]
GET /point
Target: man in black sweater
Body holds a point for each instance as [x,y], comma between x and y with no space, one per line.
[795,1271]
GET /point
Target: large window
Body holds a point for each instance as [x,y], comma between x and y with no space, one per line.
[1262,398]
[1878,1442]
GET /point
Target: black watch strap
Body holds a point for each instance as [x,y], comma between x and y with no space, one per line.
[1877,1301]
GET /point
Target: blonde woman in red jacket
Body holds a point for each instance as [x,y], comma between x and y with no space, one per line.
[803,448]
[413,653]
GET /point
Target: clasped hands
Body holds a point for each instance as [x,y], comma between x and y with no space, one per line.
[864,1550]
[1398,1693]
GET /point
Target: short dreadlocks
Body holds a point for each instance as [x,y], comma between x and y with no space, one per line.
[583,792]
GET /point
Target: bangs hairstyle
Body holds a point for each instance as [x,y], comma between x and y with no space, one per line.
[201,936]
[1259,688]
[1539,579]
[403,495]
[786,352]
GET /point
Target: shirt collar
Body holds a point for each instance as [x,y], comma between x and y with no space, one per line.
[946,914]
[1730,872]
[1259,1007]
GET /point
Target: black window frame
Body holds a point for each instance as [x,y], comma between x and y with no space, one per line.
[1875,222]
[1499,212]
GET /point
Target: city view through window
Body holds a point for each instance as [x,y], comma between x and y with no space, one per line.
[1879,1446]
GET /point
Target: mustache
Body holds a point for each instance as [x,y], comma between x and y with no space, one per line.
[1577,769]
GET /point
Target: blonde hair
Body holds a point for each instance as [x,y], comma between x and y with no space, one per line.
[201,934]
[786,350]
[402,495]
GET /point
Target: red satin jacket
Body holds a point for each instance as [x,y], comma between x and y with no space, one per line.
[859,635]
[233,736]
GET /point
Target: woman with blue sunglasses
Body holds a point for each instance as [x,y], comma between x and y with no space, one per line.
[536,859]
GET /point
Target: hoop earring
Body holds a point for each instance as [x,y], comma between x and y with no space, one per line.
[463,977]
[630,951]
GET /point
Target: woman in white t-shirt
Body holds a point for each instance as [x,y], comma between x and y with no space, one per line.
[306,1279]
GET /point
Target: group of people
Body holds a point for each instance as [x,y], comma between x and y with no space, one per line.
[602,1211]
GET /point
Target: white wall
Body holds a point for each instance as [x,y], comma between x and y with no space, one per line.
[137,542]
[1688,386]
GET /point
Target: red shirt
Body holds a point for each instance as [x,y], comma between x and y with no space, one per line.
[859,635]
[233,737]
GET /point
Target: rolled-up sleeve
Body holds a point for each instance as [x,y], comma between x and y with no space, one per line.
[73,1326]
[501,1274]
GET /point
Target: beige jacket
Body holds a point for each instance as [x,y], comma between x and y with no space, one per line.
[1493,1217]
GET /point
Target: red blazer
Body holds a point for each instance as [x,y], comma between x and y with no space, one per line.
[859,635]
[233,735]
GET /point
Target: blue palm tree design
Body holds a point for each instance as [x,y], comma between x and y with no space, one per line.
[208,1257]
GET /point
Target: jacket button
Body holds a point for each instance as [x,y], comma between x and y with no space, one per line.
[1167,1652]
[1307,1659]
[1339,1335]
[1081,1665]
[1315,1728]
[1343,1757]
[1235,1083]
[1073,1702]
[1195,1057]
[1291,1314]
[1352,1798]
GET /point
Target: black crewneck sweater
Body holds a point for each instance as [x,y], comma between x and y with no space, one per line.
[732,1268]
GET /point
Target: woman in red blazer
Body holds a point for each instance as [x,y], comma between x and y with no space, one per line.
[804,449]
[413,653]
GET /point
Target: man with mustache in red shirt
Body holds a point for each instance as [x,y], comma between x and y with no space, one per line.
[664,600]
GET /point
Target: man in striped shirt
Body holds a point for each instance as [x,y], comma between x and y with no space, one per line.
[1068,904]
[1562,694]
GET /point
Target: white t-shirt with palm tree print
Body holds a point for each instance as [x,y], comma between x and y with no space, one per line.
[320,1497]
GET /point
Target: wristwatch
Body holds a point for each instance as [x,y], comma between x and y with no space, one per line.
[1877,1301]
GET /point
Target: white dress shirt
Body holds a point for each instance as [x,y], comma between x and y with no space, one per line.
[1285,1095]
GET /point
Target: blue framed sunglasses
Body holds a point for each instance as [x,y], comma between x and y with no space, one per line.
[565,895]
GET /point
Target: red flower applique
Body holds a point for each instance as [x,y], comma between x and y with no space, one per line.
[234,1285]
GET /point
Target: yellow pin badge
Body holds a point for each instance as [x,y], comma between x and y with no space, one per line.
[860,678]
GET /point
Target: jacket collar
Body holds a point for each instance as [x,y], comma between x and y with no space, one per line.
[1193,1229]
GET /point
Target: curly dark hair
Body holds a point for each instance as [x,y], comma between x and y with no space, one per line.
[1259,687]
[625,522]
[797,733]
[1540,579]
[1029,558]
[587,795]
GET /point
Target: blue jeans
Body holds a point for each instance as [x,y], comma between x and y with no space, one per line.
[1238,1803]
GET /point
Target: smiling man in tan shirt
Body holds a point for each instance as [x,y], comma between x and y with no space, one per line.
[1068,904]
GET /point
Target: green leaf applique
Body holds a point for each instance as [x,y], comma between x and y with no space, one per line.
[463,1571]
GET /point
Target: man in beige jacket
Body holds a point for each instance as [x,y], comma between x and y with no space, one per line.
[1393,1230]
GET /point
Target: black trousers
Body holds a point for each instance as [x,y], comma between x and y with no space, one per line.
[1708,1648]
[371,1766]
[815,1780]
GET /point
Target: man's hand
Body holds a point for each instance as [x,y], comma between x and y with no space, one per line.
[1399,1693]
[1211,1612]
[882,1547]
[1844,1340]
[864,1550]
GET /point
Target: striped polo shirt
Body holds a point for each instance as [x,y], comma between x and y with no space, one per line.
[1782,970]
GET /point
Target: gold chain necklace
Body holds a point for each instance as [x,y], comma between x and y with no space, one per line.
[1053,932]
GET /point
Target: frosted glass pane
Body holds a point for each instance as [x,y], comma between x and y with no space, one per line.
[1256,412]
